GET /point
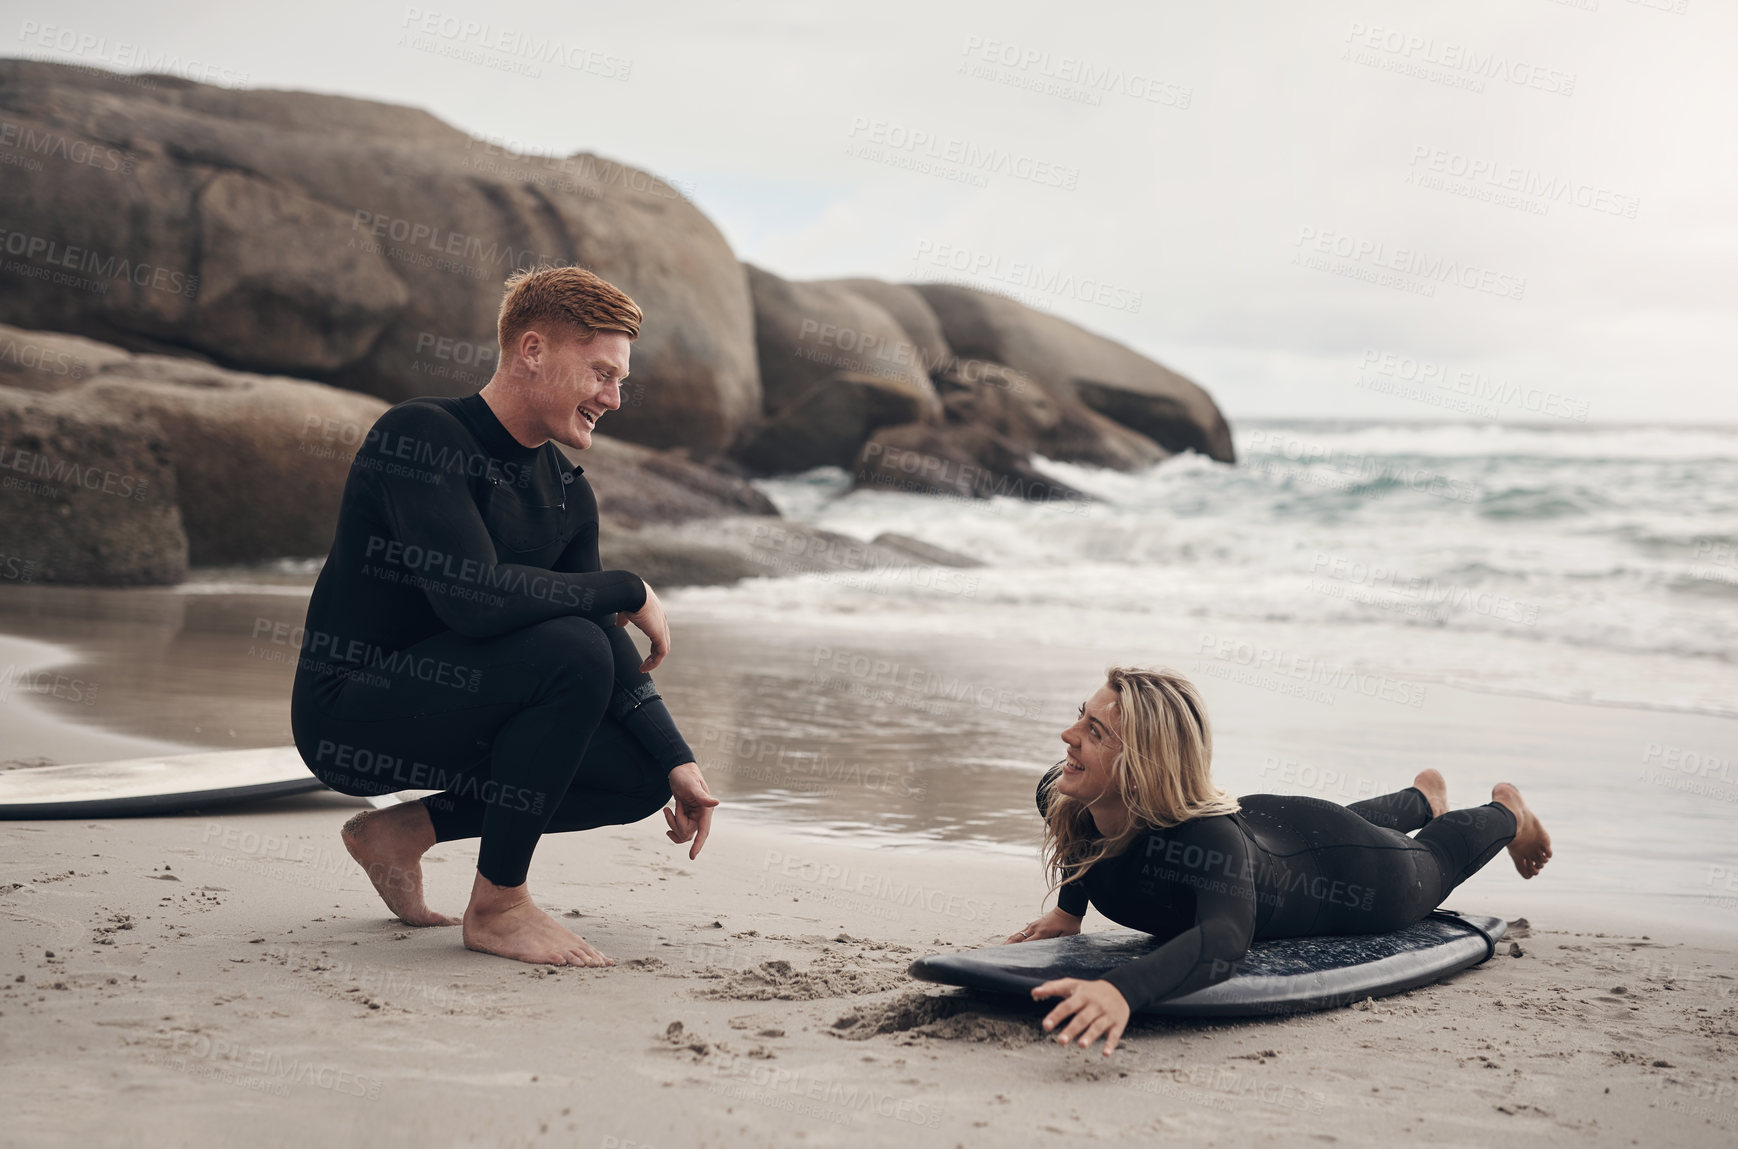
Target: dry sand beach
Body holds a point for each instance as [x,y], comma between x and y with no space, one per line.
[228,974]
[228,977]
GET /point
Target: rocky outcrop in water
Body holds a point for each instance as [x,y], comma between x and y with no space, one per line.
[221,289]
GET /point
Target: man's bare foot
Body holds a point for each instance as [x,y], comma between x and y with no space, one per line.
[1435,791]
[1531,848]
[504,921]
[389,844]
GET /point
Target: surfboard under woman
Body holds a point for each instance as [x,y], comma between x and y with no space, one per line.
[1135,826]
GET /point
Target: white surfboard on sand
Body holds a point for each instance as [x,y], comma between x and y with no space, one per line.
[158,785]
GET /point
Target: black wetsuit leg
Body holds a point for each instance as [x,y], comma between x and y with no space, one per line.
[1326,869]
[1404,810]
[1464,840]
[617,783]
[519,744]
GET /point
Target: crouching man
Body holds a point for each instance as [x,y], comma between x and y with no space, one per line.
[463,636]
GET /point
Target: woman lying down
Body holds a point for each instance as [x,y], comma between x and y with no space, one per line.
[1134,825]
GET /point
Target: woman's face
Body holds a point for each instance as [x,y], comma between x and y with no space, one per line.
[1093,743]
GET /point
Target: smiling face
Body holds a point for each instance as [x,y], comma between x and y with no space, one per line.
[1093,744]
[570,383]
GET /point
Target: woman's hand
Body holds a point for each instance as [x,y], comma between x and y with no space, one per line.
[1058,923]
[1098,1010]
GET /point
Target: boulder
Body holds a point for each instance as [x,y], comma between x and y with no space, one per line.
[1085,436]
[1162,418]
[993,395]
[49,361]
[154,462]
[1014,405]
[924,552]
[961,461]
[85,496]
[667,560]
[727,549]
[829,424]
[808,333]
[260,461]
[349,242]
[1058,355]
[636,485]
[913,314]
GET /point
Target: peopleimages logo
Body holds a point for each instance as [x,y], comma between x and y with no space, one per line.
[45,254]
[827,876]
[1411,262]
[1429,58]
[972,158]
[1085,77]
[1022,274]
[512,44]
[1529,185]
[1307,670]
[122,54]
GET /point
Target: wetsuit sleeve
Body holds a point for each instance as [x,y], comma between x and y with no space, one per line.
[439,542]
[1071,897]
[1211,856]
[635,702]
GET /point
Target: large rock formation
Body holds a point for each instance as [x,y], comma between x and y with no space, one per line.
[118,468]
[636,485]
[349,242]
[248,467]
[962,461]
[218,242]
[911,311]
[829,422]
[1074,364]
[727,549]
[993,364]
[834,367]
[85,496]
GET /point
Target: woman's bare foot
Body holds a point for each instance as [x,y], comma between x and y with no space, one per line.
[389,844]
[504,921]
[1435,791]
[1531,848]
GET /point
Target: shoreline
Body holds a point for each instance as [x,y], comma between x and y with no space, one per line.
[888,768]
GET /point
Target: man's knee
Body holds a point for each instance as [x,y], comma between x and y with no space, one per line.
[577,651]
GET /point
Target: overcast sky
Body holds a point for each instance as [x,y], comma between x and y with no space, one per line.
[1526,205]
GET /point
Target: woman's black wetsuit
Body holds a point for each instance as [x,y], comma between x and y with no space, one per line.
[459,639]
[1281,867]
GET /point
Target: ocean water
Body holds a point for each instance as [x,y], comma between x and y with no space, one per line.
[1586,564]
[1551,606]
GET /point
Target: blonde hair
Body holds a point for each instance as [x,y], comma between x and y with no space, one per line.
[566,295]
[1162,772]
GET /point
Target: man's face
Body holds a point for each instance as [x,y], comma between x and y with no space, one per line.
[573,383]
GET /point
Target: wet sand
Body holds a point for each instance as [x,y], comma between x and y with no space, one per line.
[888,738]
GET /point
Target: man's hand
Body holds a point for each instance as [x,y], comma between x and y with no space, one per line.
[651,621]
[1058,923]
[692,802]
[1097,1007]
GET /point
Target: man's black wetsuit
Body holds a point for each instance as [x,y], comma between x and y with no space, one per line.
[459,639]
[1281,867]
